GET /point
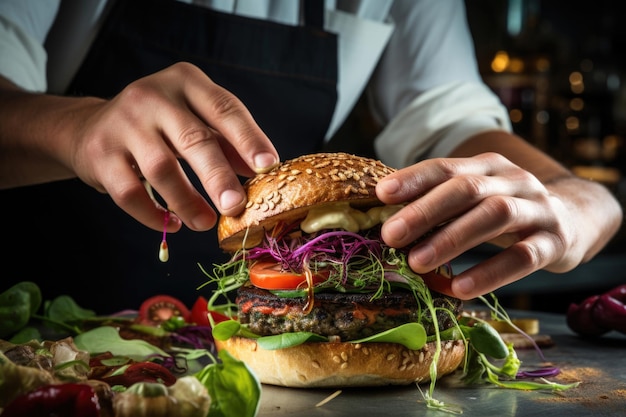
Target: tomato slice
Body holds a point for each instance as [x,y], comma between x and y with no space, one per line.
[270,276]
[439,282]
[160,308]
[200,313]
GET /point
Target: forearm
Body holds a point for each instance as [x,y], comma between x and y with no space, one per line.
[598,213]
[36,133]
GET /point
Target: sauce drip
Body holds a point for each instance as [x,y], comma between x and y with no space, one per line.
[164,253]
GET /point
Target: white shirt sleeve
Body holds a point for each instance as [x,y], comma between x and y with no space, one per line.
[24,25]
[427,91]
[435,122]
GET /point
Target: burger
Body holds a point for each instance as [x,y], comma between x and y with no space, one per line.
[317,298]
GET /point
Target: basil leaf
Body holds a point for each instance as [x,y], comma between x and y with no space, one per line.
[411,335]
[285,340]
[234,389]
[452,333]
[487,340]
[25,335]
[107,339]
[226,329]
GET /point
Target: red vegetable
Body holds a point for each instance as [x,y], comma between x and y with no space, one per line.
[610,312]
[599,314]
[141,372]
[69,400]
[160,308]
[271,276]
[200,313]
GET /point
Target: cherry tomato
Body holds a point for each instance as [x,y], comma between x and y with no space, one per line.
[160,308]
[200,313]
[270,276]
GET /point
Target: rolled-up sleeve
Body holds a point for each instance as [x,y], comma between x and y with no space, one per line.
[435,122]
[24,25]
[427,92]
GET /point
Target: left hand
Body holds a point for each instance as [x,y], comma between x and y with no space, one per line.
[464,202]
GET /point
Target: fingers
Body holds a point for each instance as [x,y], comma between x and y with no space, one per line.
[225,113]
[506,267]
[201,147]
[176,113]
[412,182]
[129,192]
[495,217]
[219,139]
[439,191]
[457,204]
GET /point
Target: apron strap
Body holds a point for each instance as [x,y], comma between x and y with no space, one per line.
[313,11]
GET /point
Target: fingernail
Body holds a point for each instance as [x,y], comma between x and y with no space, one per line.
[263,162]
[230,199]
[464,285]
[389,186]
[395,230]
[423,254]
[203,222]
[173,220]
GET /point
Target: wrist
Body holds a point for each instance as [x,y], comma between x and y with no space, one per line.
[36,135]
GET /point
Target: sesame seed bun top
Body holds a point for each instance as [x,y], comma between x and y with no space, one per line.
[287,192]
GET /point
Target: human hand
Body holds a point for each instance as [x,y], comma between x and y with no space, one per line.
[469,201]
[140,134]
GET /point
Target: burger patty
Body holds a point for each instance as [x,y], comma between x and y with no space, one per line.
[347,315]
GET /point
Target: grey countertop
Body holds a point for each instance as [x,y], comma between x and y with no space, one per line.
[599,364]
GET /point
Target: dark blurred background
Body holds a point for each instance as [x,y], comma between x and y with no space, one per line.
[560,67]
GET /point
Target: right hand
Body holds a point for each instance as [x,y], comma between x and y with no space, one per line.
[140,134]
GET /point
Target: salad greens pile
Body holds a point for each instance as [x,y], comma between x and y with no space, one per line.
[233,388]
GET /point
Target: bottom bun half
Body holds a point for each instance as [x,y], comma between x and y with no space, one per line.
[314,365]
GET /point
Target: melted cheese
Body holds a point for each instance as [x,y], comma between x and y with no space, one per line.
[342,216]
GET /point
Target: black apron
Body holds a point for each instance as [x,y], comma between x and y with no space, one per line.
[77,241]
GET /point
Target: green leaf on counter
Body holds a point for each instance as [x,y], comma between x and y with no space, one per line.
[107,339]
[234,389]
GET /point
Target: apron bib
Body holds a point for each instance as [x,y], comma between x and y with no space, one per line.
[285,75]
